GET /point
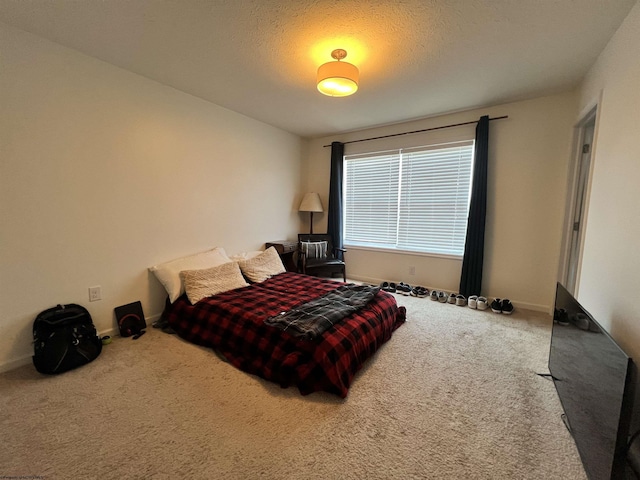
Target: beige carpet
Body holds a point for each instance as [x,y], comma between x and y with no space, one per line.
[452,395]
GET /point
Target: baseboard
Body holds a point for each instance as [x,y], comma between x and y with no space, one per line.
[13,364]
[534,306]
[369,280]
[27,359]
[524,305]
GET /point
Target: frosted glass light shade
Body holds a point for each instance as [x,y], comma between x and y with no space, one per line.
[338,79]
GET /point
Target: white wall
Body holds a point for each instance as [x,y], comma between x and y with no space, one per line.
[609,284]
[528,158]
[104,173]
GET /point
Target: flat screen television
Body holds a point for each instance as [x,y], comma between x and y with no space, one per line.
[595,380]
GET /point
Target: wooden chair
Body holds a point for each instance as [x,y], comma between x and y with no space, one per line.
[330,264]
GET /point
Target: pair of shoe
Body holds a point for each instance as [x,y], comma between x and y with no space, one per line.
[457,299]
[481,303]
[419,292]
[443,297]
[388,287]
[561,316]
[502,306]
[404,289]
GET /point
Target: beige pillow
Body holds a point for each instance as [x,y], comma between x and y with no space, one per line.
[168,274]
[263,266]
[245,255]
[203,283]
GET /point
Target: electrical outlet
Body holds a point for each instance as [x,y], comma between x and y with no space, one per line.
[95,293]
[412,270]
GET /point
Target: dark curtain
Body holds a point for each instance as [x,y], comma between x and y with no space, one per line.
[334,221]
[471,278]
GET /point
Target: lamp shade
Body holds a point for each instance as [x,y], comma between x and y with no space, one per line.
[311,203]
[338,79]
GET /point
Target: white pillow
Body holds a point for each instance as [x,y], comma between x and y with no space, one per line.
[263,266]
[168,274]
[203,283]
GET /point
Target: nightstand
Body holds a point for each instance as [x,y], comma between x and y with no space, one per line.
[286,249]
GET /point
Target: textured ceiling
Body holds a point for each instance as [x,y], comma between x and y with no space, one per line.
[417,58]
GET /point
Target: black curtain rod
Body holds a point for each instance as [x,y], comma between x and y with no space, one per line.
[419,131]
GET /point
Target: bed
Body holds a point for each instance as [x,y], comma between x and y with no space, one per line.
[233,324]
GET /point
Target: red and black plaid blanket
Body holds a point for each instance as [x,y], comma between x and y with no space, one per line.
[233,323]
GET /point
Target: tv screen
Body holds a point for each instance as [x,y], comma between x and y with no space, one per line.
[593,378]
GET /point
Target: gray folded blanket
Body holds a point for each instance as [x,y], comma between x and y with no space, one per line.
[310,319]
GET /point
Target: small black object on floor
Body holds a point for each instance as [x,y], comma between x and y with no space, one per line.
[139,334]
[163,324]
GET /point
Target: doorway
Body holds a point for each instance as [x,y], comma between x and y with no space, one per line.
[576,215]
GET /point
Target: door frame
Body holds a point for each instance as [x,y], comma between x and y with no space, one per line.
[574,190]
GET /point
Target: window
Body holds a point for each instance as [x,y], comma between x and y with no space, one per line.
[414,200]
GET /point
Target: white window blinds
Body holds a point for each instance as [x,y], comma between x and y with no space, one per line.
[411,200]
[371,199]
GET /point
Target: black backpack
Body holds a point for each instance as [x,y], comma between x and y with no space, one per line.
[64,338]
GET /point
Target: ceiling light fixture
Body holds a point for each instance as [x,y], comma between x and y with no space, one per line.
[338,79]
